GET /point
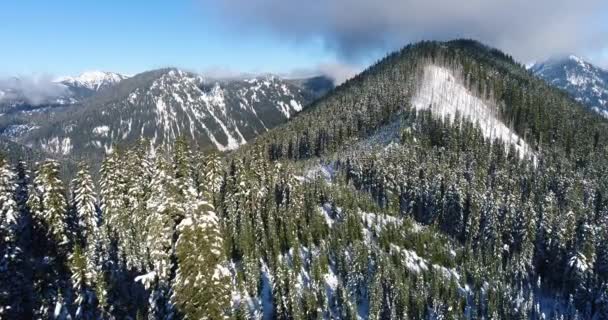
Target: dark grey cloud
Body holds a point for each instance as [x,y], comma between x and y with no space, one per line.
[528,29]
[34,89]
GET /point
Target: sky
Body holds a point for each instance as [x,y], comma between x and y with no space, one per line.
[289,37]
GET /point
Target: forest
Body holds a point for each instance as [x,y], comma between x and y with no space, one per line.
[361,206]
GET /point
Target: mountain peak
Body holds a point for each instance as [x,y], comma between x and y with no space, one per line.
[576,59]
[94,80]
[586,83]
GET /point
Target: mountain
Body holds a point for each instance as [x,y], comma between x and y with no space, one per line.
[441,139]
[318,86]
[162,105]
[87,83]
[588,84]
[444,182]
[24,95]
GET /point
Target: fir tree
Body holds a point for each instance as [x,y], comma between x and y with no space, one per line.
[201,289]
[12,278]
[49,210]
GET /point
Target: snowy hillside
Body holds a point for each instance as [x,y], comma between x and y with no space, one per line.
[447,97]
[165,104]
[587,83]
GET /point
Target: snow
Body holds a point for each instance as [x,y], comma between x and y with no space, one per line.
[378,221]
[413,262]
[146,279]
[331,281]
[325,210]
[446,96]
[267,303]
[295,105]
[57,311]
[326,172]
[101,130]
[94,80]
[133,96]
[577,79]
[57,145]
[16,130]
[577,60]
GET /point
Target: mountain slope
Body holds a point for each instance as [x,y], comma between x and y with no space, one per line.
[377,96]
[587,83]
[162,105]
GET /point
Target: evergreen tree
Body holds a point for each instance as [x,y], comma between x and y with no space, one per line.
[12,278]
[49,210]
[84,260]
[201,288]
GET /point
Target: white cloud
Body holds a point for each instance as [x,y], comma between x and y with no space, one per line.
[338,72]
[33,89]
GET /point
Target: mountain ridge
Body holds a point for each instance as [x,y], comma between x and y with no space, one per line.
[587,83]
[166,103]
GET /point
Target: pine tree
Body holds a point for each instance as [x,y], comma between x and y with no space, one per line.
[601,260]
[12,279]
[82,285]
[211,177]
[49,210]
[85,260]
[164,210]
[201,288]
[453,219]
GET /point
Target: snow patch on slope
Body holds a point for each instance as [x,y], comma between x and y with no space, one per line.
[101,130]
[442,93]
[57,145]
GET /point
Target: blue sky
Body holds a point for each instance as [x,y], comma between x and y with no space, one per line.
[69,36]
[66,37]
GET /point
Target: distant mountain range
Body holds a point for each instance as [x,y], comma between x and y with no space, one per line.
[586,83]
[97,110]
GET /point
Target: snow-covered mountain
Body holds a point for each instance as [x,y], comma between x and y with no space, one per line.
[41,93]
[92,81]
[164,104]
[587,83]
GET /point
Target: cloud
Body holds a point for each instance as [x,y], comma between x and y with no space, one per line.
[34,89]
[354,28]
[222,72]
[338,72]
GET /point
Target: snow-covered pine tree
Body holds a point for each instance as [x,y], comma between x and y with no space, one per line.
[12,280]
[84,301]
[163,208]
[453,219]
[112,202]
[84,203]
[25,242]
[201,289]
[210,177]
[85,260]
[48,206]
[137,177]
